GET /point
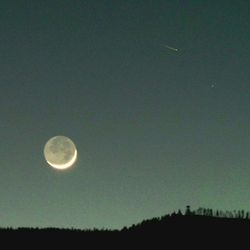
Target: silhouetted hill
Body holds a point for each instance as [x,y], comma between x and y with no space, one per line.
[189,229]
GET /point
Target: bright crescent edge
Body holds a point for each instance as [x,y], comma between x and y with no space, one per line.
[66,165]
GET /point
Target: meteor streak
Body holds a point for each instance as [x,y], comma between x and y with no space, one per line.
[169,47]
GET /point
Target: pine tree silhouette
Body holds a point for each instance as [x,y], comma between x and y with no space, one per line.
[188,210]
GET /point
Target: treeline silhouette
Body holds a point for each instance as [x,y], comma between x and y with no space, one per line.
[187,226]
[200,213]
[237,214]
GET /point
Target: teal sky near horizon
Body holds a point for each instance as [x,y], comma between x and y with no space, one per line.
[155,129]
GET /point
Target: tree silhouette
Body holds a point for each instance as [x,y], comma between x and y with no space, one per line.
[179,213]
[188,210]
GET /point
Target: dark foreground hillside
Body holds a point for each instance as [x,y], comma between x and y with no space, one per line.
[171,230]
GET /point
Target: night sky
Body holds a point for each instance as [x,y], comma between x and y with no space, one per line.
[155,129]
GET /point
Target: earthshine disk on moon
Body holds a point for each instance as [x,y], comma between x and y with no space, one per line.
[60,152]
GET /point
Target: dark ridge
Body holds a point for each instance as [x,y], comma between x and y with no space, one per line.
[188,228]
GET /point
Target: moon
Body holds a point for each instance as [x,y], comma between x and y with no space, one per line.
[60,152]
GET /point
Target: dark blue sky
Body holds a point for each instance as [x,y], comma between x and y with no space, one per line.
[155,129]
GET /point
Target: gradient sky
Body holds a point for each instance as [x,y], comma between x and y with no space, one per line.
[155,129]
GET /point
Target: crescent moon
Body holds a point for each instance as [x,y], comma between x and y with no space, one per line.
[66,165]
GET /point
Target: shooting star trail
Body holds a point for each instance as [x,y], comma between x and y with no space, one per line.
[169,47]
